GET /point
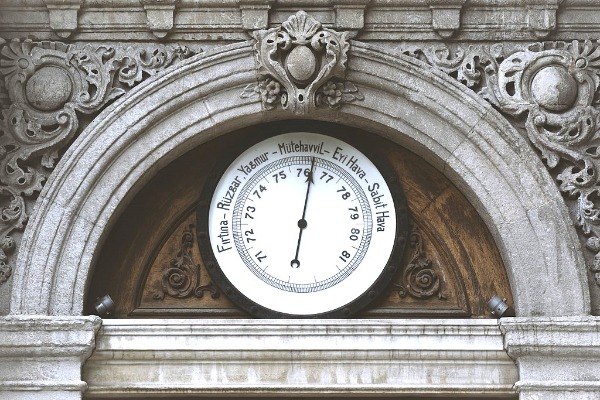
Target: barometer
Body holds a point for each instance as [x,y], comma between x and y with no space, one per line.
[302,225]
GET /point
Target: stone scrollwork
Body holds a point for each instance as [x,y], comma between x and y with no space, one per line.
[556,88]
[550,91]
[182,277]
[45,86]
[302,66]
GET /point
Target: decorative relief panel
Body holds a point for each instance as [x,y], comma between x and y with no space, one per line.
[550,88]
[302,65]
[549,91]
[46,86]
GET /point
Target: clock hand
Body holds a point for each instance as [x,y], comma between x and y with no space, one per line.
[302,221]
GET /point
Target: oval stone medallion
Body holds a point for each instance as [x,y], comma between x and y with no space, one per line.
[49,88]
[301,63]
[554,88]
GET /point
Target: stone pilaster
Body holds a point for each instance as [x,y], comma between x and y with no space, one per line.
[558,358]
[41,357]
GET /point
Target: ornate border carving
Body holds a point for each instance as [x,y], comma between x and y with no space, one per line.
[419,278]
[549,92]
[45,88]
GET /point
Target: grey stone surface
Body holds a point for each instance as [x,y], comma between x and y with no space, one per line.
[41,357]
[300,357]
[557,357]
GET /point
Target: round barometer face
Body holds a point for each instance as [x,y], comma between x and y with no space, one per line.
[302,224]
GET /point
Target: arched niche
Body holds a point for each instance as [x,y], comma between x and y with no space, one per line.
[151,263]
[404,101]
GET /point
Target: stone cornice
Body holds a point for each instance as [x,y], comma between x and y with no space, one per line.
[571,337]
[481,20]
[47,336]
[557,357]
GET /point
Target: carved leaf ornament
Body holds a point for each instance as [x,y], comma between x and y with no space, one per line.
[551,92]
[419,279]
[556,89]
[302,66]
[44,87]
[182,277]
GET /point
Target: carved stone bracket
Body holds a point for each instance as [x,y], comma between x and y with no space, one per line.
[541,16]
[63,16]
[419,279]
[46,86]
[445,16]
[255,13]
[302,66]
[160,15]
[550,93]
[350,15]
[182,277]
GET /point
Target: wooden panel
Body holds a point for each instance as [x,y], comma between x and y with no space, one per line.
[151,265]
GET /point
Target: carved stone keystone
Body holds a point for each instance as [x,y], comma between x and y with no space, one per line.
[301,66]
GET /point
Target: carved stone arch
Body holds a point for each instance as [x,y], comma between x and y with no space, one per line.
[404,100]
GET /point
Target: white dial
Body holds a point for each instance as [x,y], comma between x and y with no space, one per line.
[301,224]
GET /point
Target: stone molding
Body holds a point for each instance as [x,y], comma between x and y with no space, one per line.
[425,111]
[41,357]
[383,20]
[557,357]
[299,357]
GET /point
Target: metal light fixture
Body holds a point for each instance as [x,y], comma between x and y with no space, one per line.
[498,307]
[104,305]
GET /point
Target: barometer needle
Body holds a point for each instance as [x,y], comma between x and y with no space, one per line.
[302,222]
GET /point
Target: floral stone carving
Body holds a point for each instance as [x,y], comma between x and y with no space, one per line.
[550,93]
[301,66]
[45,87]
[556,89]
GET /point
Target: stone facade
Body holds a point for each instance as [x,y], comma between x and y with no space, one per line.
[501,96]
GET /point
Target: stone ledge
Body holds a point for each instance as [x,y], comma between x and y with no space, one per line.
[557,357]
[256,357]
[28,336]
